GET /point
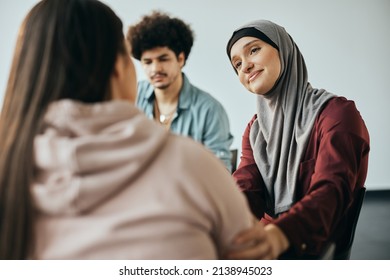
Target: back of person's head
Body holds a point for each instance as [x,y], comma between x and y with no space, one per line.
[66,49]
[160,30]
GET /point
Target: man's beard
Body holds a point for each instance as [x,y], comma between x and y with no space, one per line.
[163,86]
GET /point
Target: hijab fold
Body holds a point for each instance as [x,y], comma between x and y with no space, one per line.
[285,118]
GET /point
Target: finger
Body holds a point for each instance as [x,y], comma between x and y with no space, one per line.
[254,234]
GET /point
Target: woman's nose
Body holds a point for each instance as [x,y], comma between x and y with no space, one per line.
[247,66]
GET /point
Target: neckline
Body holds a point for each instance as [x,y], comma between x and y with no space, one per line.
[164,119]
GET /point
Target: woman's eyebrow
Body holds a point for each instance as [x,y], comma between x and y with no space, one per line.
[244,47]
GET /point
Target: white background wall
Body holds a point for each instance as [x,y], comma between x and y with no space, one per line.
[345,44]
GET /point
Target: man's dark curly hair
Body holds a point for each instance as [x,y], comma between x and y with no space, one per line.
[160,30]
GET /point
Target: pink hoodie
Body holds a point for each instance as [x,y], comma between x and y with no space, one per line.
[112,184]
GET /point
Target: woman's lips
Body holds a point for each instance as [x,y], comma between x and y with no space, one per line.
[254,75]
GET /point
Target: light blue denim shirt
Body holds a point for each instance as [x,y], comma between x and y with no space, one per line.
[199,116]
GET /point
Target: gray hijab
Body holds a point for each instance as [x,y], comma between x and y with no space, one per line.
[285,118]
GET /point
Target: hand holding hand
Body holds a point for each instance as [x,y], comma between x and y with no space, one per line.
[260,242]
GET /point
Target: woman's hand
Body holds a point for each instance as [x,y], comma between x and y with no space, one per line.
[259,242]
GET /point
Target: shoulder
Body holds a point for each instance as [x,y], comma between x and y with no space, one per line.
[185,148]
[200,96]
[205,98]
[144,87]
[198,167]
[339,106]
[204,105]
[341,114]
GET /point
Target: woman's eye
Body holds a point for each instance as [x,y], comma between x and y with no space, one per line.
[255,50]
[237,64]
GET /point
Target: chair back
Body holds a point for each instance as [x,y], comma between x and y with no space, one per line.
[343,252]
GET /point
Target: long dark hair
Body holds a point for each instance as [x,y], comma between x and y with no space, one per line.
[65,49]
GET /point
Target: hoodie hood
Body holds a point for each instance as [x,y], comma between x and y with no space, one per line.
[85,153]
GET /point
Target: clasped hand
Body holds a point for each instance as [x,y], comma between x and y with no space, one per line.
[259,242]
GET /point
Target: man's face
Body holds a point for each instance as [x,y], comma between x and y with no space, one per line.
[161,66]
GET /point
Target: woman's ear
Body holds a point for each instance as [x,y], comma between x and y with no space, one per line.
[118,66]
[115,78]
[123,79]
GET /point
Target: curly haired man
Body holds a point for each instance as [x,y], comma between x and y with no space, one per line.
[162,44]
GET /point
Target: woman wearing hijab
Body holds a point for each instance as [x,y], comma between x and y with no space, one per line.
[83,173]
[304,153]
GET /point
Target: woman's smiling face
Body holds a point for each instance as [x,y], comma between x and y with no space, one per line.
[257,64]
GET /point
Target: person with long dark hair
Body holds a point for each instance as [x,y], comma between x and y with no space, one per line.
[83,173]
